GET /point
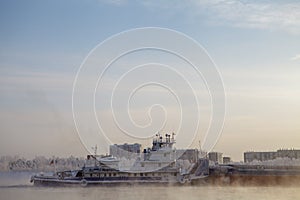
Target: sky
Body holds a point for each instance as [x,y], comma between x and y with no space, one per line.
[255,46]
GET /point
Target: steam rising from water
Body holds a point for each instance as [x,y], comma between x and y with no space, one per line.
[25,192]
[15,185]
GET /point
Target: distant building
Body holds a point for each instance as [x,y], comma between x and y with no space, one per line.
[125,150]
[260,156]
[215,157]
[226,160]
[288,153]
[271,155]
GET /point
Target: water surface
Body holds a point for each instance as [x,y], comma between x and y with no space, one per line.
[17,186]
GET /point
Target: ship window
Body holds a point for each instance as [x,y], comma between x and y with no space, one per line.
[91,175]
[153,174]
[134,174]
[114,174]
[141,174]
[143,164]
[79,174]
[104,174]
[175,174]
[109,174]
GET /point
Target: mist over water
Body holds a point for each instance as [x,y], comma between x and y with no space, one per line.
[16,186]
[15,179]
[151,192]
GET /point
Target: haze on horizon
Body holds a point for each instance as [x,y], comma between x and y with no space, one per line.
[255,44]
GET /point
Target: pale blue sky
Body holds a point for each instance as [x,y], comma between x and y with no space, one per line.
[255,44]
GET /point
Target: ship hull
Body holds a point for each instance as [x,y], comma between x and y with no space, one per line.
[44,181]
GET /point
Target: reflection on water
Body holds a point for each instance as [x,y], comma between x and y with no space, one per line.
[19,188]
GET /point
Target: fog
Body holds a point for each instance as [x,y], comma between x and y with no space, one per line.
[16,186]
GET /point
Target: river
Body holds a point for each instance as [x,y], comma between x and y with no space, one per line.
[16,186]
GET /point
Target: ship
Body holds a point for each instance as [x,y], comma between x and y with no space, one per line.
[160,164]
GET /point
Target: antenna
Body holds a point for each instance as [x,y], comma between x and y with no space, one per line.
[95,154]
[200,145]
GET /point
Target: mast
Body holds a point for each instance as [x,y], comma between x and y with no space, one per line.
[95,154]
